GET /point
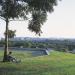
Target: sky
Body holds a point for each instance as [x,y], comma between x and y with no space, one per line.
[59,24]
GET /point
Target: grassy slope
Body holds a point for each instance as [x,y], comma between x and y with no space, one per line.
[57,63]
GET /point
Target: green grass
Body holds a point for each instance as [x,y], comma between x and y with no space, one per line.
[57,63]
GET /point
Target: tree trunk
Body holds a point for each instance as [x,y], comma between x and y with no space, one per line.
[6,42]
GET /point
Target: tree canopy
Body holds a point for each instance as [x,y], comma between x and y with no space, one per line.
[15,9]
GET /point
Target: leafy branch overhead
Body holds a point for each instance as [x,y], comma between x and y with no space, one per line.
[38,18]
[20,9]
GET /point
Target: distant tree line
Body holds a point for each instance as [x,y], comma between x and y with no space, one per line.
[60,45]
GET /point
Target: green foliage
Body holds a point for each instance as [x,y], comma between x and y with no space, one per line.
[44,5]
[19,9]
[11,33]
[38,18]
[60,45]
[12,9]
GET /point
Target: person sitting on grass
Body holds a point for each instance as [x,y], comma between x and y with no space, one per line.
[12,59]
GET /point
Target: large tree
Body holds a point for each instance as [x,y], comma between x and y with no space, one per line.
[20,9]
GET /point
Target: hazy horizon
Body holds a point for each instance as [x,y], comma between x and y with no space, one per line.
[60,23]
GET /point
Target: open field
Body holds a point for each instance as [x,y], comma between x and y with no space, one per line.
[57,63]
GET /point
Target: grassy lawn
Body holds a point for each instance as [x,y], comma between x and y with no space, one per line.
[57,63]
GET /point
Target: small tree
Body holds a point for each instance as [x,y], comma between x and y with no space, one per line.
[19,9]
[11,33]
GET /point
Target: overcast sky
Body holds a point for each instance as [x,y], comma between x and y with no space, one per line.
[60,24]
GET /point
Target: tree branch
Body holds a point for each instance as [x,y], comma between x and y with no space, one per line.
[28,18]
[16,20]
